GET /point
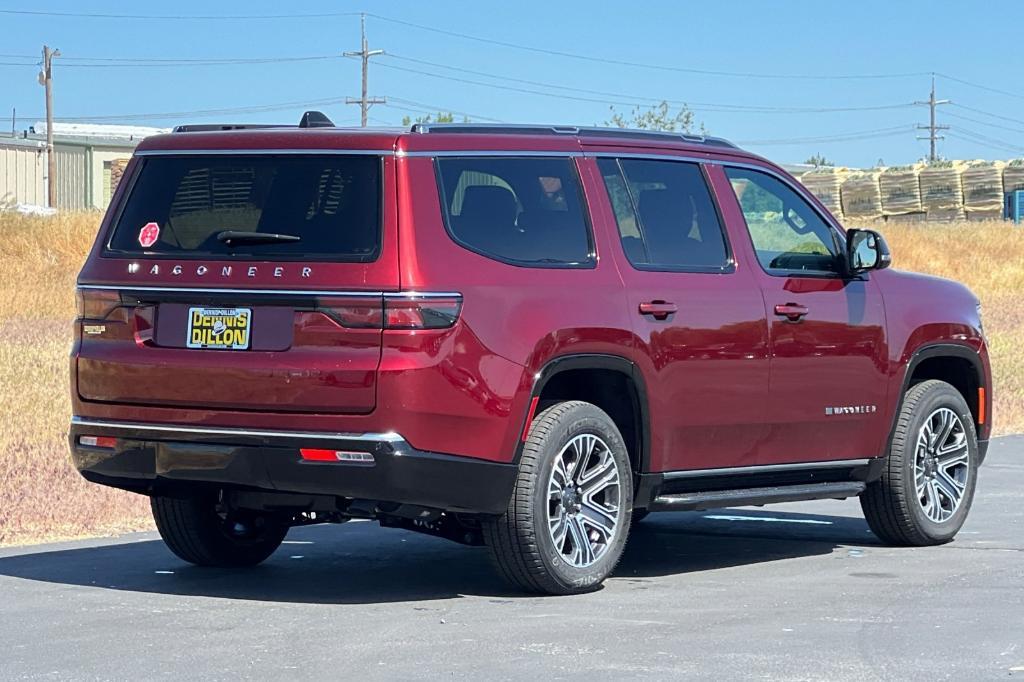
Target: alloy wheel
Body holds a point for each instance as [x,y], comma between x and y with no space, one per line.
[584,500]
[941,464]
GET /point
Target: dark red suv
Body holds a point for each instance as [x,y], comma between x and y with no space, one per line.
[524,337]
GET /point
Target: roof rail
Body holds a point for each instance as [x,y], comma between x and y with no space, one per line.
[200,127]
[579,131]
[310,119]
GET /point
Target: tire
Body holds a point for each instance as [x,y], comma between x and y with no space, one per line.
[912,504]
[198,530]
[523,545]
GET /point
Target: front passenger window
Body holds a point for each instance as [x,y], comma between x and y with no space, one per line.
[788,234]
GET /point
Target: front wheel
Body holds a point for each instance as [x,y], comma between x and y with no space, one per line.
[203,531]
[567,520]
[927,487]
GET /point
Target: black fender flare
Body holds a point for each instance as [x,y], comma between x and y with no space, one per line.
[615,363]
[926,352]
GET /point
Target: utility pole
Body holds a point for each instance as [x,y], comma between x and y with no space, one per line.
[365,53]
[46,80]
[932,128]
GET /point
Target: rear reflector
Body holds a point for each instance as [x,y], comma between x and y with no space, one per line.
[529,417]
[981,405]
[108,442]
[342,456]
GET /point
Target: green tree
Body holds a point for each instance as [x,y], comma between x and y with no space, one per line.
[441,117]
[659,117]
[819,161]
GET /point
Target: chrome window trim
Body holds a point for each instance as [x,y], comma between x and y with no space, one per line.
[390,437]
[277,292]
[768,468]
[264,152]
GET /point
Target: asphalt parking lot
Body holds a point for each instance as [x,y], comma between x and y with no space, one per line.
[799,591]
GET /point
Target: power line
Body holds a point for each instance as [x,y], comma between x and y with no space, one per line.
[622,100]
[989,140]
[212,17]
[642,65]
[984,123]
[200,113]
[989,144]
[981,87]
[432,108]
[707,106]
[843,137]
[986,113]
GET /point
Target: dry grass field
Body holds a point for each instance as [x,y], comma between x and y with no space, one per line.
[42,497]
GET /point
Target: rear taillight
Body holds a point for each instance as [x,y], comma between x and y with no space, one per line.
[96,304]
[421,311]
[354,312]
[395,311]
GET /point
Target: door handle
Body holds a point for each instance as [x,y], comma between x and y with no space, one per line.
[794,312]
[659,310]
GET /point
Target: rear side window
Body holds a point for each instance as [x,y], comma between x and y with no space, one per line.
[266,207]
[666,216]
[518,210]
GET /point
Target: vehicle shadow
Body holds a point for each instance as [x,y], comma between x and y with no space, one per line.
[359,563]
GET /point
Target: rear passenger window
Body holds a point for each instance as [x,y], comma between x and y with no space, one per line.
[523,211]
[666,216]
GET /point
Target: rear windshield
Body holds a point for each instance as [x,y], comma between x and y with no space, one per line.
[266,207]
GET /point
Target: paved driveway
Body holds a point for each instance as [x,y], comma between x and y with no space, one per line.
[798,591]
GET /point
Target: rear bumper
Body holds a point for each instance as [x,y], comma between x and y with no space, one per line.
[148,458]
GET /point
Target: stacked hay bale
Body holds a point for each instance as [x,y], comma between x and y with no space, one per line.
[861,195]
[1013,176]
[983,190]
[901,192]
[942,195]
[117,167]
[825,183]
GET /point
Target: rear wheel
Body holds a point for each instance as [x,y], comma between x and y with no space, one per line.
[203,531]
[567,520]
[926,489]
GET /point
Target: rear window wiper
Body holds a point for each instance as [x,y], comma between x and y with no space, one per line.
[232,237]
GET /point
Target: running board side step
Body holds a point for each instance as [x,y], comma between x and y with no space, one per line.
[756,496]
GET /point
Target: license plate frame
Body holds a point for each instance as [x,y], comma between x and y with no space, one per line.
[218,328]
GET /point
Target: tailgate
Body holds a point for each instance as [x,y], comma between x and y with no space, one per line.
[232,351]
[235,280]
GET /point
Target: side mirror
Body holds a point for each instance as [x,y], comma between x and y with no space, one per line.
[866,250]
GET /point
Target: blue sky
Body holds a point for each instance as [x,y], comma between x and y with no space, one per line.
[978,43]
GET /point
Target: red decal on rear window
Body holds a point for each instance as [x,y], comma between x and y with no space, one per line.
[148,235]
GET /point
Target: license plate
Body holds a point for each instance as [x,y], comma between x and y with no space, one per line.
[219,328]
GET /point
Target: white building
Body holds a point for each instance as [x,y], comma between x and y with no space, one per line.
[85,155]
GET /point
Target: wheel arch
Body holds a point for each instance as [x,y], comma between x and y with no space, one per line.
[958,365]
[598,379]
